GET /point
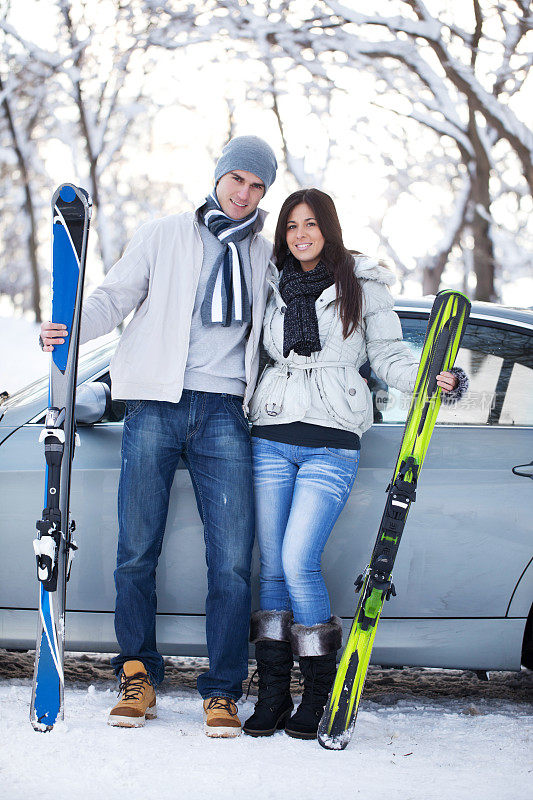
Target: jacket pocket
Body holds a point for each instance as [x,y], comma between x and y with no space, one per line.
[281,392]
[269,396]
[355,390]
[344,396]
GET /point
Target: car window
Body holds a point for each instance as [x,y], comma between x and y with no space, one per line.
[499,364]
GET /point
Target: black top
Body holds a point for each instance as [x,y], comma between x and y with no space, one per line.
[302,434]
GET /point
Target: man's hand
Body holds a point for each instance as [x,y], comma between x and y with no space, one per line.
[52,333]
[447,381]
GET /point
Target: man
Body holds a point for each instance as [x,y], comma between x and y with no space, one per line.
[185,364]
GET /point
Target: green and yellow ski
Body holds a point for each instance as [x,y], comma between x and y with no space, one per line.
[446,326]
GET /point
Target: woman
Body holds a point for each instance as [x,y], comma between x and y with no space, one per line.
[329,312]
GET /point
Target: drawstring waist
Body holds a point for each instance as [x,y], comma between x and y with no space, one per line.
[274,405]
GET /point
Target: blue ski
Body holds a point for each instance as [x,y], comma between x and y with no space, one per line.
[54,546]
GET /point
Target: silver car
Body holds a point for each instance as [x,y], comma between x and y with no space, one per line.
[464,572]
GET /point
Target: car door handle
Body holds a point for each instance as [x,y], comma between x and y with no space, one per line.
[523,474]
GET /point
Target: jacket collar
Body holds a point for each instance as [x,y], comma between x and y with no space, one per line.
[370,269]
[365,269]
[329,295]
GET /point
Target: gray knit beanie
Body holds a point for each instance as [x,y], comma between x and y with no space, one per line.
[251,154]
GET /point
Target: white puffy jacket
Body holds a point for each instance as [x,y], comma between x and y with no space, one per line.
[326,387]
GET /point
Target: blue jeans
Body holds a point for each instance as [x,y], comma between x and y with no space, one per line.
[209,431]
[299,494]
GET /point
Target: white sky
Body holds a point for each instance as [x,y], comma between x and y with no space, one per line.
[190,127]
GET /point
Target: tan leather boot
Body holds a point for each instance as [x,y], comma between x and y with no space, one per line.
[221,720]
[137,698]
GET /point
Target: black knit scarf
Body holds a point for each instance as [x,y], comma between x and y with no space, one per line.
[300,291]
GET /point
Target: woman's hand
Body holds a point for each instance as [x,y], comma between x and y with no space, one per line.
[447,381]
[52,333]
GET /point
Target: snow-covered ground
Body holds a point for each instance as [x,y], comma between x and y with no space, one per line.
[419,749]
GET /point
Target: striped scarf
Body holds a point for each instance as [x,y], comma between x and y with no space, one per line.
[226,296]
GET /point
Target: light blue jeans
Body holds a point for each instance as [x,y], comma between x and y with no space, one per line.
[299,494]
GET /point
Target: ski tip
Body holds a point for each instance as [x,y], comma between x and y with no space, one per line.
[443,292]
[67,193]
[452,292]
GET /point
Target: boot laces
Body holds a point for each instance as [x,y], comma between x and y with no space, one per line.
[310,696]
[316,687]
[133,686]
[223,703]
[274,677]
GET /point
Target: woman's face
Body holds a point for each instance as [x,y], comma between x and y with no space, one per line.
[304,237]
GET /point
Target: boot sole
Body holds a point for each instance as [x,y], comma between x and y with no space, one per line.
[117,721]
[221,732]
[298,735]
[279,726]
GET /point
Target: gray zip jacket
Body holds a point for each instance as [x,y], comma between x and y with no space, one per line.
[326,387]
[158,277]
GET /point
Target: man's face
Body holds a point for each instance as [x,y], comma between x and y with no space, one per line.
[239,193]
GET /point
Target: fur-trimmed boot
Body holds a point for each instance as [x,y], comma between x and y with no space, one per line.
[270,631]
[317,650]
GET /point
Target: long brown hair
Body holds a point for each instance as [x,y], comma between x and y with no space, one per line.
[334,256]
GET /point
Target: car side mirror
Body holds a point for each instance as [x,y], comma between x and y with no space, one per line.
[93,402]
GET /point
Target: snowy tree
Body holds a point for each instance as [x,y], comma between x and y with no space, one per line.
[101,44]
[98,93]
[404,108]
[464,81]
[22,83]
[459,83]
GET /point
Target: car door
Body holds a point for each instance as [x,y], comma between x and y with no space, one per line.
[91,593]
[181,573]
[468,537]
